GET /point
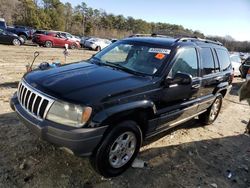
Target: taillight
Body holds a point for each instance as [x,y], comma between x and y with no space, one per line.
[248,72]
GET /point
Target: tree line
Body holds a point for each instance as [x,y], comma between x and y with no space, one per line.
[86,21]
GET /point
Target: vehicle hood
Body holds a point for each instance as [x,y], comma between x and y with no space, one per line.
[84,83]
[11,34]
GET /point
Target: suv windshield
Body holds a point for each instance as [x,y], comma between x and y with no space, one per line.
[134,58]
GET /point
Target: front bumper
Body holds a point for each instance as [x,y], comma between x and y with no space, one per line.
[81,142]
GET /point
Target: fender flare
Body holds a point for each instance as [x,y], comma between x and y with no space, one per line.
[220,87]
[105,114]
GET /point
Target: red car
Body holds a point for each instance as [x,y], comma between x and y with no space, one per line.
[54,40]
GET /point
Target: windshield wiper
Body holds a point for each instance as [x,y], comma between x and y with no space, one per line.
[96,60]
[125,69]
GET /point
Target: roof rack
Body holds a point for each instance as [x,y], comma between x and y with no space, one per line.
[149,35]
[197,39]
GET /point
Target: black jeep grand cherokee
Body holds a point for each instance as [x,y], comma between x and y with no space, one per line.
[130,91]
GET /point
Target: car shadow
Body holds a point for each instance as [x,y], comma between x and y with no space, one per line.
[197,163]
[235,88]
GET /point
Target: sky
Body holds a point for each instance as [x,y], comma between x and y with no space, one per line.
[212,17]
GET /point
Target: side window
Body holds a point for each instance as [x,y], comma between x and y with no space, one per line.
[185,62]
[224,59]
[207,61]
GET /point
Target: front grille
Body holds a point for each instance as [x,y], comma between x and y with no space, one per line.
[33,101]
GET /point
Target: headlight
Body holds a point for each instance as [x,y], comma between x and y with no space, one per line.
[69,114]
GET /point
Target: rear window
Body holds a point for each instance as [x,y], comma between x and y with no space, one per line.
[224,59]
[2,24]
[207,61]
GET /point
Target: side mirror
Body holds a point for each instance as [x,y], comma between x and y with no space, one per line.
[180,79]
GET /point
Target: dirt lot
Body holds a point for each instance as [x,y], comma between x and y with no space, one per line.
[193,156]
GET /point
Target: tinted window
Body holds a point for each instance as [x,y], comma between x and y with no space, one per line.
[224,59]
[2,24]
[207,61]
[186,62]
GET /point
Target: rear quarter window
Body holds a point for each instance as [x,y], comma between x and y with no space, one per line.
[224,59]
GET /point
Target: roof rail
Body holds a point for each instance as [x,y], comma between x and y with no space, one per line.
[197,39]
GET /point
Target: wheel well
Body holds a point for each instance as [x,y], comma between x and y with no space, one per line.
[140,116]
[223,92]
[49,41]
[23,34]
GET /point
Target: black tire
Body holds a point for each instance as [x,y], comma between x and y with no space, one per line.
[98,48]
[248,128]
[23,37]
[48,44]
[101,159]
[73,46]
[16,42]
[211,114]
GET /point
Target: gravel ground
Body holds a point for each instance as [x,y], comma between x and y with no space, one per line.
[192,155]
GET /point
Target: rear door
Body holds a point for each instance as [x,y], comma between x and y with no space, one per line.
[211,76]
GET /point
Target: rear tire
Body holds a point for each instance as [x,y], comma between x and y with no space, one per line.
[73,46]
[48,44]
[118,149]
[212,112]
[98,48]
[23,37]
[16,42]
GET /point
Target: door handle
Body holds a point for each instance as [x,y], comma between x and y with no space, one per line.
[196,86]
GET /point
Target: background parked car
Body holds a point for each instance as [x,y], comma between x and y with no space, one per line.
[97,43]
[21,31]
[83,40]
[245,67]
[55,40]
[69,36]
[236,63]
[10,38]
[45,32]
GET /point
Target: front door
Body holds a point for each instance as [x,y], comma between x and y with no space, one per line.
[180,101]
[4,38]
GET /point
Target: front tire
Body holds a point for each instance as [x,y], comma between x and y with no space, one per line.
[16,42]
[213,111]
[118,149]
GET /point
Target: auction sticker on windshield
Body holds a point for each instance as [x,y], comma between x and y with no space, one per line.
[159,50]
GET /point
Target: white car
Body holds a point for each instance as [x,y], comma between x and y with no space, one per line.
[236,63]
[83,40]
[97,43]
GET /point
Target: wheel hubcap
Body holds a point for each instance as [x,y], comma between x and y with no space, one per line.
[122,149]
[215,109]
[16,42]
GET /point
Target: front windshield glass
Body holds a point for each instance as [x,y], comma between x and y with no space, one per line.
[135,58]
